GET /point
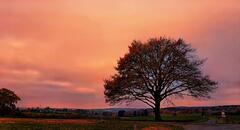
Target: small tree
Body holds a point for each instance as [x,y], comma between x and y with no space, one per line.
[8,99]
[153,71]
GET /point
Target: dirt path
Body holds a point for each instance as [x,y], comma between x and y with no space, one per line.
[211,125]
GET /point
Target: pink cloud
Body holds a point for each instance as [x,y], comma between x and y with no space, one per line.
[64,49]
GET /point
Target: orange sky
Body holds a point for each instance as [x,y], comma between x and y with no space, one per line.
[56,53]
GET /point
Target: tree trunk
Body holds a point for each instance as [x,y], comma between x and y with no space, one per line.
[157,111]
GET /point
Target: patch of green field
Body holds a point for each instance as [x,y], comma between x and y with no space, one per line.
[138,118]
[230,119]
[103,125]
[184,118]
[171,118]
[235,118]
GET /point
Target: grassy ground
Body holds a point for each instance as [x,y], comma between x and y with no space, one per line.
[125,123]
[65,124]
[230,119]
[171,118]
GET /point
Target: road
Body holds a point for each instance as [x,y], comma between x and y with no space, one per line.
[211,125]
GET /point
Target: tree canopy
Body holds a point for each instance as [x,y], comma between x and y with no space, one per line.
[156,70]
[8,100]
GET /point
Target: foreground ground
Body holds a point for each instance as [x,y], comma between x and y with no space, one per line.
[180,122]
[80,124]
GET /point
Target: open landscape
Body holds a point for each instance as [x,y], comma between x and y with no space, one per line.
[177,118]
[116,124]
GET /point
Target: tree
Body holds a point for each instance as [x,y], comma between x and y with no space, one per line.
[8,99]
[156,70]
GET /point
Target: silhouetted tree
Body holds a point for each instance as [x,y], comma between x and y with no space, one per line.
[153,71]
[8,99]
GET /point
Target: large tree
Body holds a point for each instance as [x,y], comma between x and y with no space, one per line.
[156,70]
[8,100]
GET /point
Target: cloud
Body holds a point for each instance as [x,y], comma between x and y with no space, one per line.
[64,49]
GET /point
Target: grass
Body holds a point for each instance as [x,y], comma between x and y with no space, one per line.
[184,118]
[48,124]
[235,118]
[171,118]
[230,119]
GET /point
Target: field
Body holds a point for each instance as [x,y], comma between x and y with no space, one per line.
[231,119]
[170,122]
[171,118]
[80,124]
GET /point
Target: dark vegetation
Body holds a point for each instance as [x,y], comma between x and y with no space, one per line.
[8,100]
[173,114]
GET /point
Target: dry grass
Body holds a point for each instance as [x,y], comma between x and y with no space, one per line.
[80,124]
[47,121]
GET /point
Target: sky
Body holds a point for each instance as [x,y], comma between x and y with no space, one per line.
[58,52]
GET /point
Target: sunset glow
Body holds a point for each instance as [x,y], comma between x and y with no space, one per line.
[57,53]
